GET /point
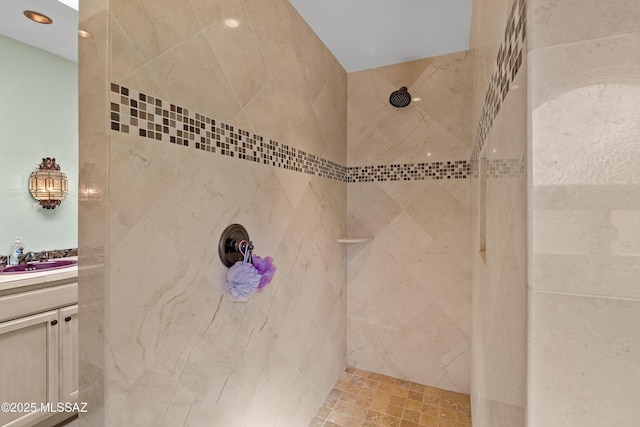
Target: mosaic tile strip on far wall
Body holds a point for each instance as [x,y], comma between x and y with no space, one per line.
[134,112]
[508,64]
[505,168]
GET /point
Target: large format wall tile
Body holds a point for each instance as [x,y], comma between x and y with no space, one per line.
[584,361]
[209,12]
[584,210]
[556,22]
[592,113]
[576,66]
[409,288]
[435,128]
[409,291]
[155,27]
[240,55]
[192,76]
[175,329]
[263,75]
[581,77]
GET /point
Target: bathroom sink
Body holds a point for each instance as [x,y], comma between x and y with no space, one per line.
[38,266]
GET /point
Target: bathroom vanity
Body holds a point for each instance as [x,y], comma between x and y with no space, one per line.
[38,346]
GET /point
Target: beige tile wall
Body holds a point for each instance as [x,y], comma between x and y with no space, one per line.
[499,310]
[409,288]
[168,348]
[581,215]
[172,341]
[181,343]
[585,247]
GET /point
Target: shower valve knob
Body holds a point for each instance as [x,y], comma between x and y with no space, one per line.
[234,242]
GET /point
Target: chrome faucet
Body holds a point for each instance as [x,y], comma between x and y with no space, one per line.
[26,257]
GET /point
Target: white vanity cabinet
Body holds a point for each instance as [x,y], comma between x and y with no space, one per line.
[68,338]
[38,350]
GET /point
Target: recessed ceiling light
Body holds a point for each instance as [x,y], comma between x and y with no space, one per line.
[231,23]
[37,17]
[85,34]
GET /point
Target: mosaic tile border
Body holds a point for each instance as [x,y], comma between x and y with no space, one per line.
[457,169]
[505,168]
[508,64]
[136,113]
[140,114]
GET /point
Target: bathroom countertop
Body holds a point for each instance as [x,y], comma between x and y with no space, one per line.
[11,281]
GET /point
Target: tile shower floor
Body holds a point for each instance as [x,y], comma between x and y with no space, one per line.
[365,399]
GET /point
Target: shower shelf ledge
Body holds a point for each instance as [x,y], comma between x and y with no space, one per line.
[354,239]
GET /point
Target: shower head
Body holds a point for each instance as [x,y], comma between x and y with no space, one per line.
[400,98]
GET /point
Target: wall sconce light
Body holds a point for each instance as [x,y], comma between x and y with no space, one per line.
[48,185]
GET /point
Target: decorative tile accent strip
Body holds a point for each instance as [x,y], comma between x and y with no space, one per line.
[56,253]
[508,63]
[148,117]
[136,113]
[505,168]
[457,169]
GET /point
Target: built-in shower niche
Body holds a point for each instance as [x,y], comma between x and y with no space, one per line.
[482,208]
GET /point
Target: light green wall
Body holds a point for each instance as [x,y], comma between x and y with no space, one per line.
[38,118]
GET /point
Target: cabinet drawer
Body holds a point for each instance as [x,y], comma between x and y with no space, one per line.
[26,303]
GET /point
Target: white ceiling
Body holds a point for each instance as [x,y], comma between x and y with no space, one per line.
[59,38]
[362,34]
[365,34]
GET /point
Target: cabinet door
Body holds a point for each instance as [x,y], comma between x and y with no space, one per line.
[69,354]
[28,365]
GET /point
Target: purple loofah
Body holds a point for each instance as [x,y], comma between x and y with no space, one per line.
[265,268]
[242,281]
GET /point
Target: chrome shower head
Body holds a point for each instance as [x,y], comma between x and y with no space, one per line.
[400,98]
